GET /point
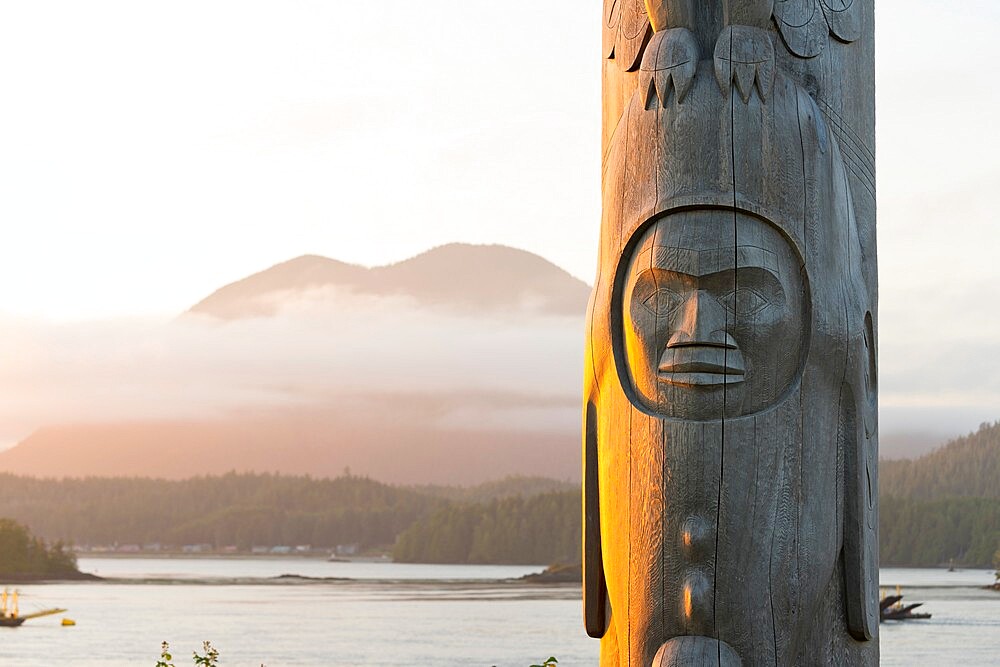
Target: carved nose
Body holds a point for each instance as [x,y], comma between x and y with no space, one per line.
[702,322]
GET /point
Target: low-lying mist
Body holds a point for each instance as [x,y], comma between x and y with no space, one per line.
[323,346]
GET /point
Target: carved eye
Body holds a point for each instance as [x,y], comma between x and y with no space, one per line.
[744,302]
[662,302]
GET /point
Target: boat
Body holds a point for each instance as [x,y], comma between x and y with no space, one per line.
[10,615]
[891,608]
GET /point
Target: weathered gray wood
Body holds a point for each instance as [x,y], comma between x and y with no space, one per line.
[695,652]
[730,423]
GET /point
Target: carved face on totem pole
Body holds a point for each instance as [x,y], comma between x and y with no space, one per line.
[713,327]
[730,400]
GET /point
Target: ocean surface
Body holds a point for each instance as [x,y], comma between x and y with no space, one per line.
[387,614]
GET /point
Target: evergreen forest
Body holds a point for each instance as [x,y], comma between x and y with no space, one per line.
[537,530]
[22,555]
[230,510]
[942,508]
[945,506]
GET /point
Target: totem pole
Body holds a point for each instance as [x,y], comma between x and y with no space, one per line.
[730,407]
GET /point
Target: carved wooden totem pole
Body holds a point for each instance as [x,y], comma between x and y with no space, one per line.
[730,447]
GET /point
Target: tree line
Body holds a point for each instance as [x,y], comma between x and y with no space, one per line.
[942,507]
[24,555]
[967,467]
[540,529]
[546,529]
[918,532]
[242,510]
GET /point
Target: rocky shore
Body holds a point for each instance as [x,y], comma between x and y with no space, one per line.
[556,574]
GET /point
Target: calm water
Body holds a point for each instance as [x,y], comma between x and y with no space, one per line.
[392,614]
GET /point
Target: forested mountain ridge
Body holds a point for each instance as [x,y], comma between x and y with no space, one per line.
[922,533]
[944,506]
[941,508]
[512,486]
[513,520]
[242,510]
[967,467]
[538,530]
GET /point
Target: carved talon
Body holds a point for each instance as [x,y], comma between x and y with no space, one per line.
[745,55]
[671,59]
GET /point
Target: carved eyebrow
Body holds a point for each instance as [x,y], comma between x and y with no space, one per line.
[705,262]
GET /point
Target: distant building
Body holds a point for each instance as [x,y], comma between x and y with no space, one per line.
[346,549]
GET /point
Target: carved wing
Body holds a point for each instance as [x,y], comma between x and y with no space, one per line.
[805,25]
[861,515]
[626,31]
[594,587]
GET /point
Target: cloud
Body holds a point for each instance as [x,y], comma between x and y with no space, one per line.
[321,346]
[514,371]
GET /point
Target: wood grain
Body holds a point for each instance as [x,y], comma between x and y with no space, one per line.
[730,420]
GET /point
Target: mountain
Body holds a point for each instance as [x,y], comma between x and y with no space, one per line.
[459,277]
[238,510]
[945,506]
[967,467]
[408,448]
[458,366]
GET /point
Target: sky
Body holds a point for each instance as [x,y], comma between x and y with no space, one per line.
[152,152]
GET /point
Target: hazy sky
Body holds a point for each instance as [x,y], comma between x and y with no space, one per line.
[151,152]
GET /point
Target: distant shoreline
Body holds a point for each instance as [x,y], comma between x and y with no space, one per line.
[48,578]
[176,555]
[378,559]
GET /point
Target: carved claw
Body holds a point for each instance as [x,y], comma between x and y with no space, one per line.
[745,55]
[671,60]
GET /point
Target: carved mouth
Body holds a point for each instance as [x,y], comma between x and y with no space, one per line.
[701,366]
